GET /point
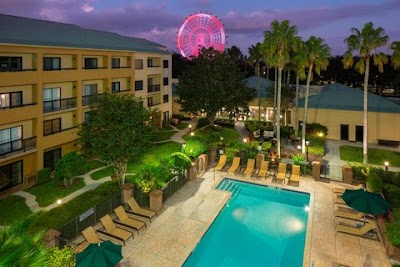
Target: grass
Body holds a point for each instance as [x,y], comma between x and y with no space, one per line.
[228,134]
[182,126]
[102,173]
[13,208]
[94,164]
[61,215]
[47,193]
[375,156]
[163,135]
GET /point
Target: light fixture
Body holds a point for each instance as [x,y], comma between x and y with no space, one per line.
[386,165]
[307,208]
[299,147]
[192,134]
[245,140]
[59,201]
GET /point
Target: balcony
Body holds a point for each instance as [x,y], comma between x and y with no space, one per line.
[152,104]
[94,68]
[60,69]
[87,100]
[17,106]
[59,104]
[153,88]
[16,147]
[120,91]
[15,70]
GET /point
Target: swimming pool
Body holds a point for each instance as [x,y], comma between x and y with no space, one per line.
[259,226]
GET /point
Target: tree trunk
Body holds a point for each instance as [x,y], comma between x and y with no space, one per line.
[296,109]
[120,167]
[365,115]
[211,118]
[303,128]
[259,89]
[275,89]
[278,117]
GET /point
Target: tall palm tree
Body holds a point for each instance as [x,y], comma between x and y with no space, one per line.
[315,56]
[299,68]
[255,56]
[366,43]
[278,42]
[395,60]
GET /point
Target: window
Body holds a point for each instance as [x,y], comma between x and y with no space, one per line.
[51,99]
[9,100]
[165,81]
[52,63]
[10,140]
[10,63]
[166,98]
[11,175]
[115,86]
[90,89]
[138,85]
[91,63]
[165,64]
[138,64]
[149,62]
[51,126]
[116,63]
[51,157]
[150,102]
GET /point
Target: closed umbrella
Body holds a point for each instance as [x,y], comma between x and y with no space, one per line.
[104,254]
[365,201]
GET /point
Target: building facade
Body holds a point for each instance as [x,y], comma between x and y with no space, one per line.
[49,75]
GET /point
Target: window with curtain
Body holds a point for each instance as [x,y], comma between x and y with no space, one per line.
[9,100]
[115,63]
[51,126]
[90,89]
[11,175]
[10,139]
[52,63]
[51,99]
[115,86]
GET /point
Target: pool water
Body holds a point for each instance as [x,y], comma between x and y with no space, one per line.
[259,226]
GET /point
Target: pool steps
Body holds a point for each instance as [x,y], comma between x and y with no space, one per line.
[231,187]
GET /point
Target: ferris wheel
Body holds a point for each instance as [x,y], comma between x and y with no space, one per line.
[200,30]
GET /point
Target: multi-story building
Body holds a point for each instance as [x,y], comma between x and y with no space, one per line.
[49,74]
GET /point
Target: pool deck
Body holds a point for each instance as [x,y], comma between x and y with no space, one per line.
[186,216]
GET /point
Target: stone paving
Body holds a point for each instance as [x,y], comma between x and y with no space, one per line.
[186,216]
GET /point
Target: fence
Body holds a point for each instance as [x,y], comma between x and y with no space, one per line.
[332,172]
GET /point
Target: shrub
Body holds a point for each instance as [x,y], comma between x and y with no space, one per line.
[152,177]
[179,161]
[374,183]
[61,257]
[69,167]
[297,159]
[393,233]
[392,194]
[43,175]
[316,129]
[195,146]
[317,145]
[201,122]
[286,131]
[230,153]
[225,122]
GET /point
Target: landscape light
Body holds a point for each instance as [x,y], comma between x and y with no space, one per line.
[192,134]
[59,201]
[386,165]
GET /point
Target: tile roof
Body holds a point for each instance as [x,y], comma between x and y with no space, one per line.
[266,86]
[27,31]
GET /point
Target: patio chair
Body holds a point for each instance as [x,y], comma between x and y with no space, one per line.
[137,210]
[364,231]
[221,163]
[90,235]
[263,169]
[281,175]
[295,175]
[113,230]
[340,190]
[127,221]
[356,216]
[249,168]
[235,165]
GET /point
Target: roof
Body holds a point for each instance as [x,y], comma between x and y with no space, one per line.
[340,97]
[27,31]
[266,86]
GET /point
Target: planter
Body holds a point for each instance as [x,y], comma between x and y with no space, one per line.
[127,192]
[213,154]
[347,173]
[156,200]
[192,172]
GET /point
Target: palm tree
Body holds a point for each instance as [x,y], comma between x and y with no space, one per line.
[278,42]
[255,56]
[315,56]
[396,55]
[366,42]
[299,68]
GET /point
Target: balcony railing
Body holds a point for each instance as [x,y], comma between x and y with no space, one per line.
[154,66]
[17,146]
[121,67]
[94,68]
[153,104]
[15,70]
[58,131]
[153,88]
[60,69]
[90,99]
[18,106]
[121,91]
[59,104]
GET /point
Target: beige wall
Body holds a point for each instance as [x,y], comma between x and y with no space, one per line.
[67,88]
[27,92]
[100,85]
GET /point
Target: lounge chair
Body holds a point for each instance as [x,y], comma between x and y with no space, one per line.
[221,163]
[250,167]
[113,230]
[235,165]
[340,190]
[137,210]
[90,235]
[356,216]
[127,221]
[363,231]
[281,175]
[263,169]
[295,175]
[339,200]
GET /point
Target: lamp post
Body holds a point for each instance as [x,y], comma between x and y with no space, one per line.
[190,127]
[386,165]
[307,144]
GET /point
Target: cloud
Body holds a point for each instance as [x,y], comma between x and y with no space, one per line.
[86,8]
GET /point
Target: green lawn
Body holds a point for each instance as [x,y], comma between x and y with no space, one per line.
[94,164]
[61,215]
[163,135]
[13,208]
[375,156]
[182,126]
[102,173]
[47,193]
[228,134]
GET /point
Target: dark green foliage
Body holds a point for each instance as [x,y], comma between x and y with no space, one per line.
[43,175]
[392,194]
[297,159]
[225,122]
[152,177]
[317,145]
[181,117]
[180,161]
[393,233]
[286,131]
[61,257]
[195,146]
[201,122]
[374,183]
[69,167]
[316,129]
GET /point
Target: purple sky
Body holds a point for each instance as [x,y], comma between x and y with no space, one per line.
[245,21]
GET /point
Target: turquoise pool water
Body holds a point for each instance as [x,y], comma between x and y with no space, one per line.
[259,226]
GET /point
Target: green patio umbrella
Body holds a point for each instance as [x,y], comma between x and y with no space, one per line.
[104,254]
[364,201]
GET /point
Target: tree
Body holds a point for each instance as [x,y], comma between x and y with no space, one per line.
[366,43]
[255,56]
[395,60]
[69,167]
[235,54]
[278,43]
[315,56]
[119,128]
[211,83]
